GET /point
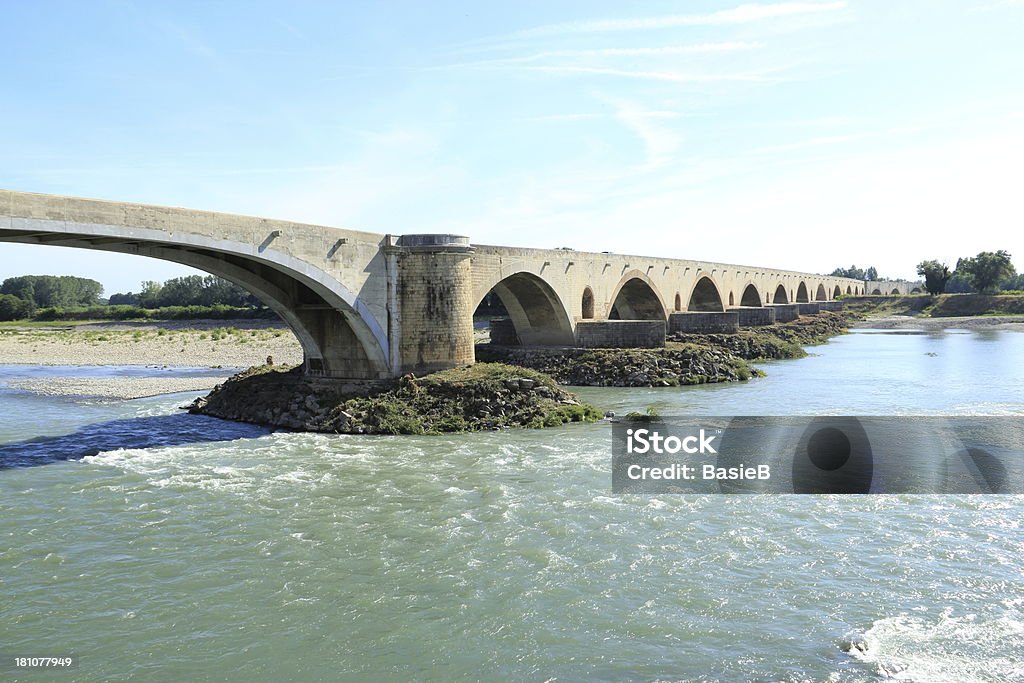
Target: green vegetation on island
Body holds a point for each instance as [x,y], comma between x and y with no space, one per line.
[484,396]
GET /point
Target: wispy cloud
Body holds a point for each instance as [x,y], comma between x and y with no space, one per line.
[660,142]
[742,14]
[814,142]
[670,76]
[663,51]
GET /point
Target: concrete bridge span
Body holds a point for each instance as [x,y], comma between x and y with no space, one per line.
[368,306]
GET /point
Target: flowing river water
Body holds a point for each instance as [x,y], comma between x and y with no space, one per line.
[155,545]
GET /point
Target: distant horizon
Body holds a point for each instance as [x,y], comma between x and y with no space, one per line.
[803,136]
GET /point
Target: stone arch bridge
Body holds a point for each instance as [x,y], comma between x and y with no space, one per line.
[372,306]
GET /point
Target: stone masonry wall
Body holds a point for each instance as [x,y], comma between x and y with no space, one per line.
[703,322]
[754,317]
[617,334]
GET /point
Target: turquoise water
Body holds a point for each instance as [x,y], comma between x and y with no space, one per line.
[161,546]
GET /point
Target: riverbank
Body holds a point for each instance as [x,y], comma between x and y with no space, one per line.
[904,322]
[115,388]
[939,306]
[484,396]
[229,344]
[942,312]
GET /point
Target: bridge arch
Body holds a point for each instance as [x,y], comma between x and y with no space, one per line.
[837,292]
[705,296]
[339,335]
[821,294]
[678,303]
[537,313]
[895,290]
[876,292]
[780,295]
[848,289]
[637,298]
[751,297]
[916,290]
[801,293]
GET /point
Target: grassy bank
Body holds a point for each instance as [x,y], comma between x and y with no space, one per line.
[939,306]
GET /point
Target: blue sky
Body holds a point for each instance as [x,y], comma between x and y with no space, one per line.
[802,135]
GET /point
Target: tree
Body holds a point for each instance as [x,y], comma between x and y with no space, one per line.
[936,276]
[53,290]
[149,297]
[1015,283]
[871,274]
[987,270]
[13,308]
[128,299]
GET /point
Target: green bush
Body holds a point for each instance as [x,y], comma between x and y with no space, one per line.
[13,308]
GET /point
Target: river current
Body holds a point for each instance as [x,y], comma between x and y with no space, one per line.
[155,545]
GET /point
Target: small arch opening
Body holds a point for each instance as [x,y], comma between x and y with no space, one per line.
[588,303]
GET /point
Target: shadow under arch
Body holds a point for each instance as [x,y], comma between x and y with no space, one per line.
[637,298]
[751,297]
[836,293]
[780,295]
[339,336]
[801,293]
[705,296]
[821,294]
[537,313]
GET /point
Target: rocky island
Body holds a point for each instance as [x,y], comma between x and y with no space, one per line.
[508,387]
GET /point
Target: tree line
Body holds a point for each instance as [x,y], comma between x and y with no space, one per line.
[52,296]
[988,273]
[855,273]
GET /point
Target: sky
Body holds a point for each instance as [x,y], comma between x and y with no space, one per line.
[797,135]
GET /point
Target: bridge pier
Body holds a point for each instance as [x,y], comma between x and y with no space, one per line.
[430,302]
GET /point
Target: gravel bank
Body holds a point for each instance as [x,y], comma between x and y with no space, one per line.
[117,387]
[226,346]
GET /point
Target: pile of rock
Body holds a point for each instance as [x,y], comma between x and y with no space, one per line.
[625,367]
[484,396]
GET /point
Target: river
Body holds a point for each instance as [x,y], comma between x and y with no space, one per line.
[155,545]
